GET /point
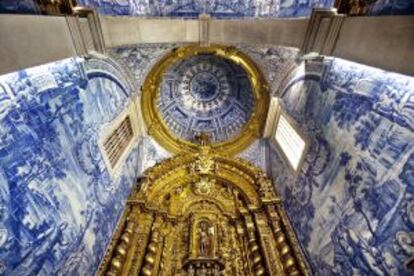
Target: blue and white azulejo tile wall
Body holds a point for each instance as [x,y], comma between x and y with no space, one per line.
[58,203]
[352,205]
[140,58]
[216,8]
[19,6]
[391,7]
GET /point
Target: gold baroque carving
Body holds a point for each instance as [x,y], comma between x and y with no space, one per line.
[158,128]
[238,228]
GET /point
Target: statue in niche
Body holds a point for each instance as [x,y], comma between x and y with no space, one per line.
[206,234]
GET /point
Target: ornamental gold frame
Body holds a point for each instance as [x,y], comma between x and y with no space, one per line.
[157,127]
[140,244]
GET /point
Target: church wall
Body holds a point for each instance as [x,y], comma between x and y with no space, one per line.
[59,203]
[217,9]
[352,203]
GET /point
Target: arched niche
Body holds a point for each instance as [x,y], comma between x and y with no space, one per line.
[204,214]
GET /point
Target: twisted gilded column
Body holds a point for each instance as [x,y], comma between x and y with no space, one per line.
[121,249]
[150,265]
[241,234]
[287,257]
[271,256]
[124,254]
[255,255]
[141,238]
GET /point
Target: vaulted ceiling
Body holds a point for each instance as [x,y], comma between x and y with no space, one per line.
[207,94]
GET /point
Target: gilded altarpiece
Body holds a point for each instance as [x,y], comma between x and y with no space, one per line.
[204,214]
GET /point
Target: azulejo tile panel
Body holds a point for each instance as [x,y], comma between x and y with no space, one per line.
[139,59]
[216,8]
[151,153]
[257,154]
[59,204]
[274,61]
[19,6]
[391,7]
[352,204]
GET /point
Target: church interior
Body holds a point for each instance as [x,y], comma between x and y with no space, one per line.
[206,137]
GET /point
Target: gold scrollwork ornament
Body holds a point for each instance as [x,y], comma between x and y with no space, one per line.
[182,223]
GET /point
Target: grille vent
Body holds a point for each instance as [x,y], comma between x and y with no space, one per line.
[118,141]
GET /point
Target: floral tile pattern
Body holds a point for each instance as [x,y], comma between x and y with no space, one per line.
[139,59]
[257,153]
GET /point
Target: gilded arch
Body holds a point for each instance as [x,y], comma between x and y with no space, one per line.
[157,126]
[203,213]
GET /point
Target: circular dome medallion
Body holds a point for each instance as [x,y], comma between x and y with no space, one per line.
[206,93]
[213,90]
[204,86]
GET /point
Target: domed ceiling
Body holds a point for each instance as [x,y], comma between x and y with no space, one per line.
[205,93]
[213,90]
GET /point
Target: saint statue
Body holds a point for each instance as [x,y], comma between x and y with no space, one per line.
[206,233]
